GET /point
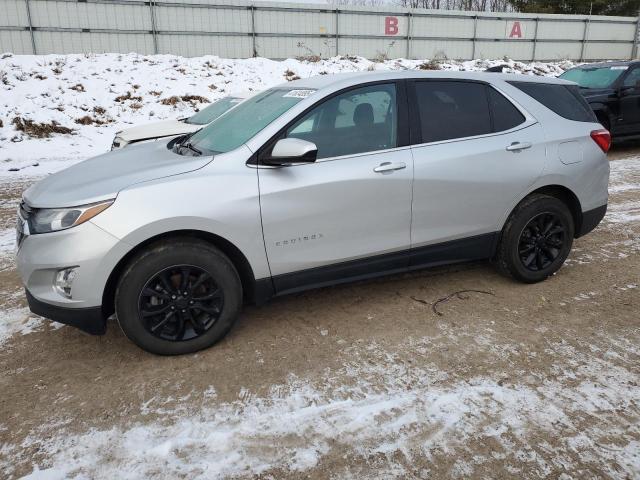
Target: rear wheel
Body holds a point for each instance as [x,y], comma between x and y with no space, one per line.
[536,239]
[178,296]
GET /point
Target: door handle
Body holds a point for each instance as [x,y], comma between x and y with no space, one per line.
[517,146]
[389,166]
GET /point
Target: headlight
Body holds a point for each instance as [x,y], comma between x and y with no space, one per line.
[53,219]
[118,142]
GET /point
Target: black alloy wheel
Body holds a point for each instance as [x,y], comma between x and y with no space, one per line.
[536,238]
[180,303]
[541,241]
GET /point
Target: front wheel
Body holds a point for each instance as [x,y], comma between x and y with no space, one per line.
[178,296]
[536,239]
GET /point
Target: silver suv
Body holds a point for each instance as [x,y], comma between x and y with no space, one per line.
[315,182]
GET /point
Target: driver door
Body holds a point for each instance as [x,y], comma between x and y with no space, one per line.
[348,214]
[629,121]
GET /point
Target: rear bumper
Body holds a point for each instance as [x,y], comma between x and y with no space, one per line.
[90,320]
[591,219]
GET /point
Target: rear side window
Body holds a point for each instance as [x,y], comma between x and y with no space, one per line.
[452,110]
[505,115]
[565,100]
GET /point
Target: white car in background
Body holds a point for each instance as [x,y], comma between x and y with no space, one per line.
[169,128]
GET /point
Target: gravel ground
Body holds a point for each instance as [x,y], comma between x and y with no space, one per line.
[357,381]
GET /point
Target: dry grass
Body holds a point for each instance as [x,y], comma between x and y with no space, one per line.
[99,110]
[39,130]
[193,99]
[290,75]
[430,65]
[128,96]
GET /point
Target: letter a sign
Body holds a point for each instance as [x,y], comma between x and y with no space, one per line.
[515,30]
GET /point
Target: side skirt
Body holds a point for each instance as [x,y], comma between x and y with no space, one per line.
[479,247]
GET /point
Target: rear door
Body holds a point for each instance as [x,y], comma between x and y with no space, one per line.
[474,154]
[326,220]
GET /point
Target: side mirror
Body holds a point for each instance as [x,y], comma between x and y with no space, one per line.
[289,151]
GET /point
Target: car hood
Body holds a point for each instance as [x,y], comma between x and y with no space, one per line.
[157,129]
[102,177]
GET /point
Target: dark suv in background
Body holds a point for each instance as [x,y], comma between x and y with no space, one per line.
[612,89]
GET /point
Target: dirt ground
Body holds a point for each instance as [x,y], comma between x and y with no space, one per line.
[545,378]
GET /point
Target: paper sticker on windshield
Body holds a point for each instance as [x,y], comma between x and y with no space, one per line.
[298,93]
[621,67]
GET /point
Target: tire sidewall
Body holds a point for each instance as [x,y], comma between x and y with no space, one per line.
[522,217]
[158,258]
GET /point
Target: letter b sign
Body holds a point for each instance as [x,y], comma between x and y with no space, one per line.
[390,25]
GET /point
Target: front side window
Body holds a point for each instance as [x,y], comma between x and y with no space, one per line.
[451,109]
[243,122]
[358,121]
[633,78]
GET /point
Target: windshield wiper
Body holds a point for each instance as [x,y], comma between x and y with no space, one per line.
[185,143]
[190,147]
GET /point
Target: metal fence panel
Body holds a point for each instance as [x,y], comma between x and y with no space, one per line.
[199,45]
[565,30]
[611,31]
[379,48]
[13,13]
[607,50]
[425,26]
[198,19]
[559,51]
[441,49]
[99,16]
[19,40]
[239,28]
[93,42]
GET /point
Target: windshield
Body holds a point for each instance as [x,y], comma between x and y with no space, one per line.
[213,111]
[243,122]
[596,77]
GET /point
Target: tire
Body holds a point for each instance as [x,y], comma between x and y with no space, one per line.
[525,252]
[178,296]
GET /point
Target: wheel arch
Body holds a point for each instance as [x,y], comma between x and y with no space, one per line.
[253,291]
[563,194]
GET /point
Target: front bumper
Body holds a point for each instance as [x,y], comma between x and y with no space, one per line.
[90,320]
[93,252]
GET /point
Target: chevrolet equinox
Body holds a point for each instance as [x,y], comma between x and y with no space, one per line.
[315,182]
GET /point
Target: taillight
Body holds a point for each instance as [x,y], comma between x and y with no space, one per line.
[603,138]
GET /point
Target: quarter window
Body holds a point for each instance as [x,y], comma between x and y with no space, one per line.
[358,121]
[449,109]
[565,100]
[505,115]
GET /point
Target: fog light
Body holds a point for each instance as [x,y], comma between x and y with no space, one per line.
[64,281]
